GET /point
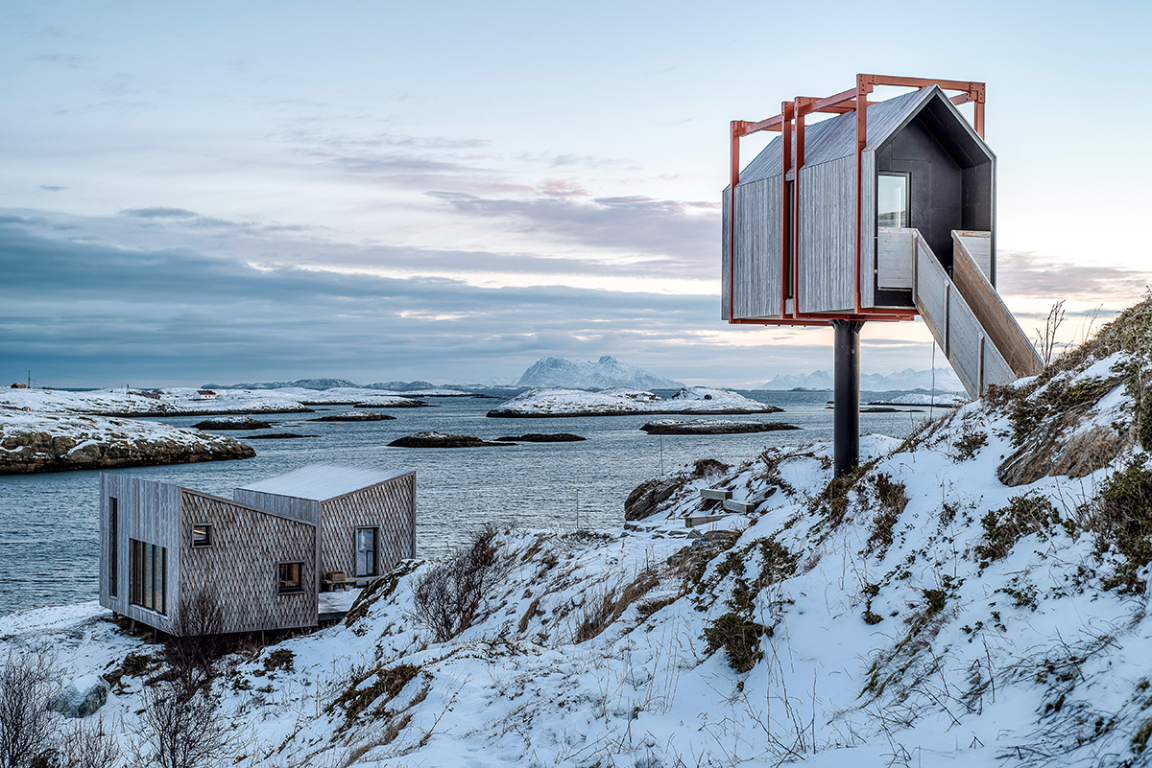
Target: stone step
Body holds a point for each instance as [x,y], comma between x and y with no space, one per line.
[714,494]
[743,507]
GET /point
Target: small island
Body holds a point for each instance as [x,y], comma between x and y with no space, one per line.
[559,437]
[622,401]
[441,440]
[232,422]
[712,427]
[356,416]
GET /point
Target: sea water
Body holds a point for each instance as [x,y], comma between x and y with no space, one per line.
[49,546]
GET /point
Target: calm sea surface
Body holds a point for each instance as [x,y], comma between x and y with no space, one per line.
[48,523]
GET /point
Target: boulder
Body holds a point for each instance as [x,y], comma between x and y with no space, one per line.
[81,697]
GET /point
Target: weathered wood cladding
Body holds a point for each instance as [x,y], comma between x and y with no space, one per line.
[390,507]
[971,353]
[868,229]
[827,253]
[894,248]
[307,510]
[1001,326]
[147,511]
[242,563]
[725,294]
[758,249]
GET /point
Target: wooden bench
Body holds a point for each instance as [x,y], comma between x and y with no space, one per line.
[714,494]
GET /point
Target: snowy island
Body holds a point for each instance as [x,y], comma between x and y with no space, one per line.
[620,401]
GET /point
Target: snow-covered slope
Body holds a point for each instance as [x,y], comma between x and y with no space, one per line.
[619,400]
[605,372]
[975,595]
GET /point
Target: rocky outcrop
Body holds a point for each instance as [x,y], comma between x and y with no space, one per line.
[441,440]
[55,443]
[558,437]
[356,416]
[647,497]
[711,427]
[232,422]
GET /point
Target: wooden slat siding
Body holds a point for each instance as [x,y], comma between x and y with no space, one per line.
[894,257]
[242,563]
[148,511]
[979,247]
[828,236]
[867,229]
[998,321]
[954,325]
[389,506]
[724,256]
[758,249]
[307,510]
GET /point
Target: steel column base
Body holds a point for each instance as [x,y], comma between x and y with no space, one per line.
[846,397]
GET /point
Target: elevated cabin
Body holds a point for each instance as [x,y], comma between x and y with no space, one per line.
[883,212]
[923,167]
[264,553]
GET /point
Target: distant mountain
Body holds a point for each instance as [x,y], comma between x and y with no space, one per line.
[605,372]
[401,386]
[945,381]
[302,383]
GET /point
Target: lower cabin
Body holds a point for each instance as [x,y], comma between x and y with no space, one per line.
[264,555]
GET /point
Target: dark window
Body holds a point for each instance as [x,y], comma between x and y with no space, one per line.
[113,544]
[892,197]
[290,580]
[148,585]
[201,535]
[365,551]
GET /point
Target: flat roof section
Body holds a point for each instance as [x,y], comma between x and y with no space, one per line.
[320,482]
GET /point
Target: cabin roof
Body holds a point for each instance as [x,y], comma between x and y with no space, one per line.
[836,137]
[320,482]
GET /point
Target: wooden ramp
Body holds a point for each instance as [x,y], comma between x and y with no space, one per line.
[980,337]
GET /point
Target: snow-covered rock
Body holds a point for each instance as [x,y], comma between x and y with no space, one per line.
[605,372]
[539,403]
[45,442]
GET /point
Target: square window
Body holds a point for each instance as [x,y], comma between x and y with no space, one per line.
[201,535]
[290,580]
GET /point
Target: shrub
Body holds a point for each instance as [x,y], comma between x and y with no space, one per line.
[740,639]
[448,596]
[1003,527]
[1122,520]
[196,639]
[281,658]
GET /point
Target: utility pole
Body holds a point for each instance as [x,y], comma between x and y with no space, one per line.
[29,379]
[577,508]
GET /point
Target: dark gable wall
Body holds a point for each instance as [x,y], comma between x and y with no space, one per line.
[951,178]
[937,183]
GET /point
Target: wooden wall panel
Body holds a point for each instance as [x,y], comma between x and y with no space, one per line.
[724,293]
[242,564]
[827,258]
[307,510]
[894,257]
[758,248]
[147,511]
[868,255]
[389,506]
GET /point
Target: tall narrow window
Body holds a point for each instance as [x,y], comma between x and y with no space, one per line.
[365,551]
[892,200]
[113,544]
[148,585]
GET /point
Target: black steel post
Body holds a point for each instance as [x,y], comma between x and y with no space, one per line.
[846,397]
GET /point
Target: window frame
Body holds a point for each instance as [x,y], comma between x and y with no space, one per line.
[113,546]
[209,535]
[299,588]
[907,177]
[148,576]
[375,570]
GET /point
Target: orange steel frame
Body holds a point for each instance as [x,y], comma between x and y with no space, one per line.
[791,118]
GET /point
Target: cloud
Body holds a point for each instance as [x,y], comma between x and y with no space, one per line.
[64,60]
[1021,273]
[159,213]
[642,225]
[52,188]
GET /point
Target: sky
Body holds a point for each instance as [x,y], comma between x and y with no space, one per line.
[376,191]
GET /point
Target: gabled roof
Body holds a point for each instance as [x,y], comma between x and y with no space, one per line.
[320,482]
[836,137]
